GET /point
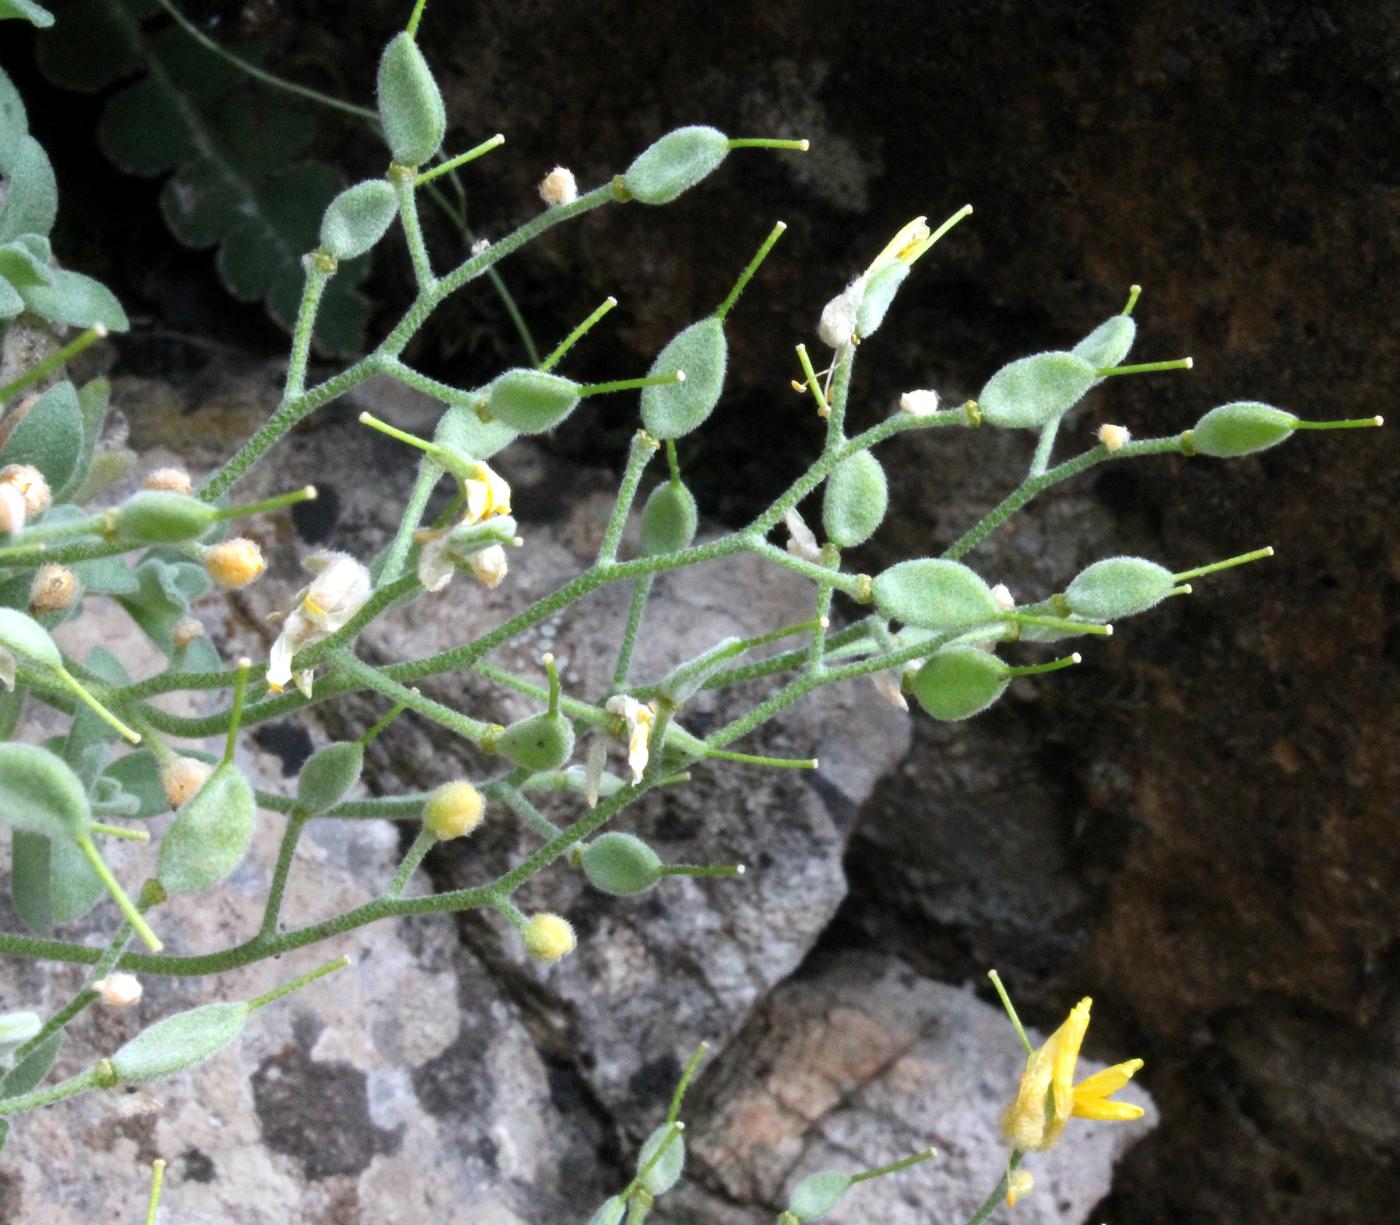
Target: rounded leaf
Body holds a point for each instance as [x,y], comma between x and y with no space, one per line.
[610,1212]
[357,218]
[210,834]
[155,516]
[669,519]
[542,742]
[880,289]
[532,401]
[50,436]
[31,200]
[411,111]
[670,410]
[937,595]
[855,501]
[40,793]
[1118,587]
[77,300]
[1107,344]
[667,1171]
[328,774]
[960,682]
[816,1195]
[179,1042]
[21,635]
[1033,390]
[51,881]
[1241,428]
[620,864]
[675,163]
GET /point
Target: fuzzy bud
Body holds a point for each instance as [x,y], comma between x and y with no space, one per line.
[1001,593]
[12,512]
[453,810]
[919,403]
[169,480]
[1113,436]
[118,990]
[234,563]
[547,937]
[29,482]
[559,187]
[188,629]
[54,589]
[489,565]
[182,777]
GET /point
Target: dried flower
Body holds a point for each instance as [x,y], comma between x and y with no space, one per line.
[186,631]
[640,719]
[118,990]
[559,187]
[54,588]
[169,480]
[1113,436]
[182,777]
[919,403]
[801,542]
[341,587]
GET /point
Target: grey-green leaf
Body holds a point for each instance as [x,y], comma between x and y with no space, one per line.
[210,834]
[39,793]
[50,436]
[138,774]
[179,1042]
[30,1070]
[51,881]
[31,200]
[76,300]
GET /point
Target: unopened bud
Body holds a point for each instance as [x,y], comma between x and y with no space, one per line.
[169,480]
[919,403]
[188,629]
[547,937]
[12,511]
[559,187]
[234,563]
[54,589]
[29,482]
[118,990]
[453,810]
[182,777]
[1112,437]
[1001,593]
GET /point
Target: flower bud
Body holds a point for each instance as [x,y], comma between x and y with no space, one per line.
[1034,390]
[541,742]
[453,810]
[559,187]
[669,519]
[919,403]
[187,629]
[532,401]
[1005,600]
[411,111]
[1113,437]
[358,218]
[856,497]
[54,588]
[29,482]
[621,864]
[960,682]
[1241,429]
[155,517]
[670,410]
[169,480]
[118,990]
[547,937]
[675,163]
[234,563]
[182,777]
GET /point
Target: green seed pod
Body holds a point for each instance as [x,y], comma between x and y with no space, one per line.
[156,517]
[328,774]
[880,289]
[817,1194]
[670,410]
[1107,344]
[669,519]
[210,834]
[40,793]
[937,595]
[675,163]
[179,1042]
[620,864]
[960,682]
[665,1173]
[410,105]
[856,497]
[610,1212]
[21,635]
[1118,587]
[541,742]
[357,218]
[462,430]
[1034,390]
[532,401]
[1241,429]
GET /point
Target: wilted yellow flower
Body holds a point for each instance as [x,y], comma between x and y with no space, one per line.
[1048,1097]
[339,591]
[640,718]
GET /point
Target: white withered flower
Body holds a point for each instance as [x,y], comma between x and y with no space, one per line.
[640,719]
[801,542]
[339,590]
[489,565]
[559,187]
[118,990]
[919,403]
[1114,436]
[486,498]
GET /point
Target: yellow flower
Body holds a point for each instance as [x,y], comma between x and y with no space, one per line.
[487,494]
[1048,1097]
[906,246]
[639,718]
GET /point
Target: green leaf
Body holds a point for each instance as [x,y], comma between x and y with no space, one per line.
[21,264]
[39,793]
[31,200]
[50,437]
[93,399]
[162,598]
[89,735]
[138,774]
[28,11]
[51,881]
[32,1069]
[96,43]
[105,576]
[179,1042]
[14,123]
[144,131]
[10,302]
[210,835]
[76,300]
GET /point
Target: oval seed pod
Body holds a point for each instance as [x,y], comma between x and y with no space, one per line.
[611,1212]
[669,519]
[620,864]
[1241,428]
[1107,344]
[670,410]
[1033,390]
[460,429]
[855,500]
[817,1194]
[675,163]
[937,595]
[667,1171]
[410,105]
[541,742]
[210,834]
[532,401]
[156,517]
[21,635]
[1118,587]
[40,793]
[328,774]
[179,1042]
[880,289]
[358,218]
[960,682]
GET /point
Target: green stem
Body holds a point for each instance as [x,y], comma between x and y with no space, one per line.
[120,831]
[54,1093]
[74,687]
[813,383]
[528,813]
[429,473]
[704,869]
[684,1083]
[1045,446]
[447,167]
[895,1166]
[402,179]
[157,1179]
[286,853]
[577,334]
[1010,1008]
[307,493]
[1352,423]
[998,1196]
[722,311]
[51,363]
[643,447]
[1133,292]
[422,844]
[124,903]
[240,691]
[647,380]
[853,585]
[415,17]
[297,983]
[462,725]
[1177,363]
[1228,564]
[636,611]
[763,142]
[319,270]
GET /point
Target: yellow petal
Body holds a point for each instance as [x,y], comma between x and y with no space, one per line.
[1064,1044]
[914,233]
[1106,1110]
[1107,1082]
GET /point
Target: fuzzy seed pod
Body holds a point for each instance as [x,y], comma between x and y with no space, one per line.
[411,110]
[154,517]
[1241,429]
[234,563]
[547,937]
[675,163]
[453,810]
[1034,390]
[358,218]
[532,401]
[169,480]
[54,589]
[669,519]
[183,777]
[621,864]
[857,495]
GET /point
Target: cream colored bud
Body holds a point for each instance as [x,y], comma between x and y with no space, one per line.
[54,588]
[118,990]
[1113,436]
[559,187]
[30,483]
[481,246]
[169,480]
[547,937]
[182,777]
[1001,593]
[12,511]
[489,565]
[187,631]
[234,563]
[919,403]
[453,810]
